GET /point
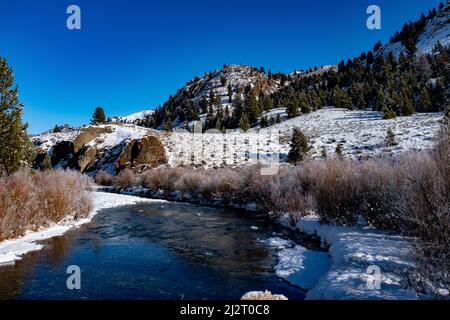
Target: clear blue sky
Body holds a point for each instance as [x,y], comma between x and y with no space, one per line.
[131,55]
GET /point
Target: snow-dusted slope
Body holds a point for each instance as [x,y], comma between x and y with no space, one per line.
[437,29]
[361,134]
[133,118]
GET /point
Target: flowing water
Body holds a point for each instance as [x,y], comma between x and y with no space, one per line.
[157,250]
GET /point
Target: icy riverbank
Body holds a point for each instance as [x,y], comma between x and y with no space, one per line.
[12,250]
[354,253]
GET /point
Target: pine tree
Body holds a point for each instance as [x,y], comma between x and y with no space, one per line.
[388,113]
[339,150]
[252,107]
[390,138]
[56,129]
[293,108]
[299,147]
[99,116]
[47,163]
[238,110]
[203,104]
[15,146]
[264,122]
[168,125]
[244,123]
[424,101]
[230,93]
[278,119]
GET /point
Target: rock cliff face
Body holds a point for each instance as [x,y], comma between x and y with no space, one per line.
[141,154]
[111,148]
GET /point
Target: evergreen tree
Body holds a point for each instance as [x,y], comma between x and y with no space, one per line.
[56,129]
[424,101]
[47,163]
[99,116]
[388,113]
[244,123]
[293,108]
[168,126]
[203,104]
[278,119]
[390,138]
[264,122]
[299,147]
[15,146]
[252,107]
[238,110]
[339,150]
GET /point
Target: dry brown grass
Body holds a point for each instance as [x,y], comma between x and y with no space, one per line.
[30,200]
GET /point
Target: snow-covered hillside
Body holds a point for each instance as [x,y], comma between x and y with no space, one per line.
[134,118]
[437,29]
[360,133]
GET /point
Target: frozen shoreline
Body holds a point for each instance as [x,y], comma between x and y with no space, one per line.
[13,250]
[352,250]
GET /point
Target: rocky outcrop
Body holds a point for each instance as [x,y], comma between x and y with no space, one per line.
[88,134]
[111,148]
[141,154]
[87,158]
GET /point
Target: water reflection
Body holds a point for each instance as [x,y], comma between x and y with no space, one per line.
[154,251]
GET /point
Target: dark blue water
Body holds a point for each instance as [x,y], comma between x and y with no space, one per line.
[155,251]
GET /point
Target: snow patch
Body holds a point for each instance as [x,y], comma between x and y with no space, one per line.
[352,251]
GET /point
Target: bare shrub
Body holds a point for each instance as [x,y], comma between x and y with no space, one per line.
[423,203]
[103,178]
[339,191]
[162,178]
[125,179]
[34,200]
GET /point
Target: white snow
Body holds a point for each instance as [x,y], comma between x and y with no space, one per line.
[352,251]
[47,140]
[301,266]
[133,118]
[119,134]
[361,133]
[12,250]
[296,264]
